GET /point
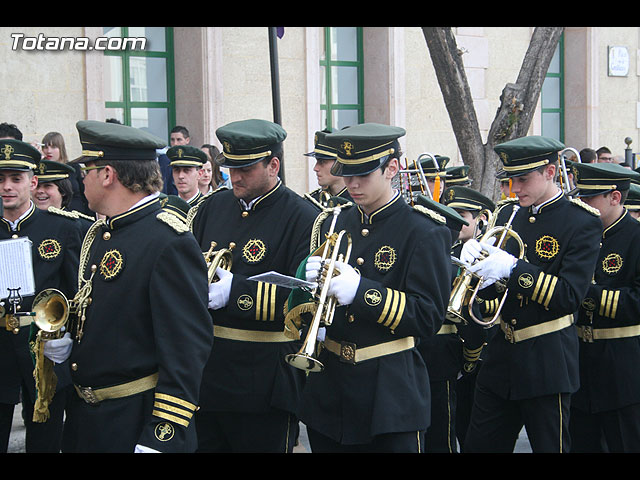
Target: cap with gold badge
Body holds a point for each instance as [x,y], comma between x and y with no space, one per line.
[465,198]
[363,148]
[186,156]
[175,205]
[525,154]
[112,141]
[18,155]
[246,142]
[49,171]
[596,178]
[458,175]
[321,150]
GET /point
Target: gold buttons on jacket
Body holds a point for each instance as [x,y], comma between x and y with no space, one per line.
[106,235]
[74,366]
[532,219]
[364,232]
[245,214]
[360,261]
[14,235]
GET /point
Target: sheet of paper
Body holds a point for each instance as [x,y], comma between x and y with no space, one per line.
[281,280]
[16,267]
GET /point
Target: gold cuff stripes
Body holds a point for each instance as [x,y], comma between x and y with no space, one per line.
[173,409]
[544,288]
[393,308]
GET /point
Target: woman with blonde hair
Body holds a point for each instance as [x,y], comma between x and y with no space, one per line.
[54,149]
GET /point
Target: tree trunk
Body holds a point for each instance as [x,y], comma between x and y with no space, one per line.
[517,102]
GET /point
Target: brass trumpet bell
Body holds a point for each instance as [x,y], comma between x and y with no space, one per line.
[467,284]
[51,309]
[304,359]
[222,258]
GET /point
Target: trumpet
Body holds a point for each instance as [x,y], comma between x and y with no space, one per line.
[222,258]
[564,174]
[467,284]
[51,309]
[325,305]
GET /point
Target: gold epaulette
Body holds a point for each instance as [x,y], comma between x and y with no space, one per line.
[431,214]
[173,221]
[84,215]
[593,211]
[193,210]
[63,213]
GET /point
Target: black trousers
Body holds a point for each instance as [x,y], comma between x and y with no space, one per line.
[239,432]
[496,423]
[6,420]
[614,431]
[441,434]
[403,442]
[45,437]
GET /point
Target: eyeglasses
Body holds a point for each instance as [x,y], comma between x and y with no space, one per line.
[95,167]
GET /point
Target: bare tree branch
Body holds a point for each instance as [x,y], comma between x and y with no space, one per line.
[517,102]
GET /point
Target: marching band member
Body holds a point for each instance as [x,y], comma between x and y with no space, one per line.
[606,408]
[143,335]
[373,395]
[249,395]
[330,185]
[530,369]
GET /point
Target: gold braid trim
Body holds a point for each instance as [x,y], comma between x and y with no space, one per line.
[593,211]
[63,213]
[80,301]
[317,225]
[315,230]
[431,214]
[191,214]
[173,221]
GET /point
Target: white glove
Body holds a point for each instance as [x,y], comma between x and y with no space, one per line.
[496,266]
[58,350]
[345,285]
[470,251]
[219,291]
[142,449]
[313,269]
[322,332]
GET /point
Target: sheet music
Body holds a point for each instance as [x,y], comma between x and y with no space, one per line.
[16,267]
[282,280]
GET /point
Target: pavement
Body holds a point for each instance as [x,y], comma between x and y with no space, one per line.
[16,439]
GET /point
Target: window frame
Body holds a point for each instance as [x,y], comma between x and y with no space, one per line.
[329,107]
[127,104]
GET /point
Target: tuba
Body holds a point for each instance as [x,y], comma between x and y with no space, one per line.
[222,258]
[467,284]
[325,305]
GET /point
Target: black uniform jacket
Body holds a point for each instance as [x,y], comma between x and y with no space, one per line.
[404,261]
[56,241]
[561,248]
[457,346]
[246,373]
[608,367]
[148,315]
